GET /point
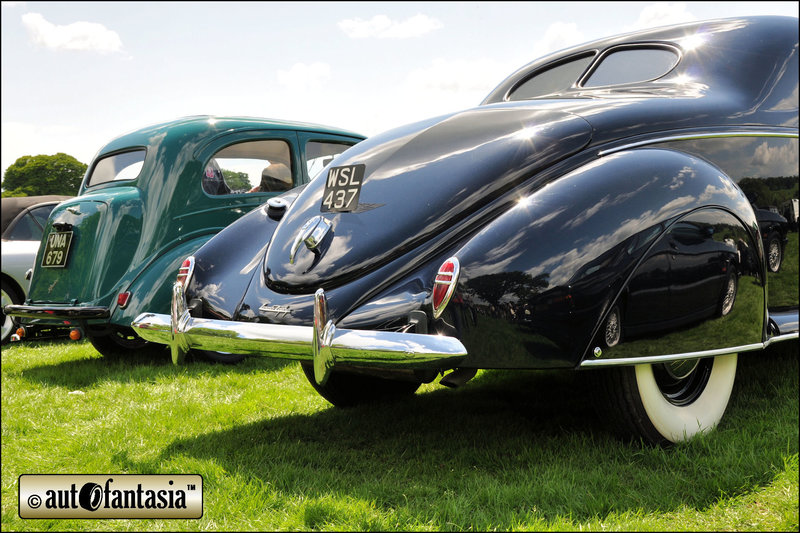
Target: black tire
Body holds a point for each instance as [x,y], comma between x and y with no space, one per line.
[9,296]
[729,291]
[668,402]
[217,357]
[122,342]
[344,389]
[774,252]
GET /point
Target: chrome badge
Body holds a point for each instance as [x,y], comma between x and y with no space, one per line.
[276,311]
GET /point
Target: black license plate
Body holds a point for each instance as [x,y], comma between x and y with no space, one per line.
[342,188]
[56,250]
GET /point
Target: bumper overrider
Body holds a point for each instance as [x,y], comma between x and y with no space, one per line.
[323,343]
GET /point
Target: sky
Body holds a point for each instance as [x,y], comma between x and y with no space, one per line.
[75,75]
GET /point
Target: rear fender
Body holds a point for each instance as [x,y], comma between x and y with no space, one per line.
[540,279]
[698,288]
[151,291]
[224,266]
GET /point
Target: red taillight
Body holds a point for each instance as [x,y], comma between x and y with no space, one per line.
[444,285]
[185,271]
[122,299]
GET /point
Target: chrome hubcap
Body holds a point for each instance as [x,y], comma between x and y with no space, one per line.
[680,369]
[8,322]
[682,382]
[774,256]
[612,333]
[730,295]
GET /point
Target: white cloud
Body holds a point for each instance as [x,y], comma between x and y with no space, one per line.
[471,80]
[458,76]
[83,36]
[663,14]
[302,77]
[558,36]
[382,27]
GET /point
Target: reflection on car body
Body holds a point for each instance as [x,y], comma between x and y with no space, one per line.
[586,215]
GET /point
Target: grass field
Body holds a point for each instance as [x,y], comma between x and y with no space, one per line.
[782,286]
[509,451]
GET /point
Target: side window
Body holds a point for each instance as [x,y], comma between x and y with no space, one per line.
[632,65]
[26,229]
[552,80]
[124,166]
[320,153]
[253,166]
[41,214]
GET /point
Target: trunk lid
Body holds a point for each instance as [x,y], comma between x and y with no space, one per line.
[417,181]
[104,231]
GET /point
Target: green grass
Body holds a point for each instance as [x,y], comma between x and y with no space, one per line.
[782,286]
[509,451]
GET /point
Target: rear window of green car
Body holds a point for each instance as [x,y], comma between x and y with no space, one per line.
[117,167]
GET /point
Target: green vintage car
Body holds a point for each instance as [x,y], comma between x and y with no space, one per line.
[149,199]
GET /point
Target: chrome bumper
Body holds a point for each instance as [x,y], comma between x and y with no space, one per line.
[57,312]
[323,344]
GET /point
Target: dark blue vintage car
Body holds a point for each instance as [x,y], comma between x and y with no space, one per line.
[586,215]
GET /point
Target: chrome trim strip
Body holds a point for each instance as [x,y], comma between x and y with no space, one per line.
[781,338]
[590,363]
[691,136]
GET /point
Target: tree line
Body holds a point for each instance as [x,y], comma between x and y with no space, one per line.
[43,175]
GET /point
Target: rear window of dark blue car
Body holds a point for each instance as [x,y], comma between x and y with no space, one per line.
[632,65]
[552,80]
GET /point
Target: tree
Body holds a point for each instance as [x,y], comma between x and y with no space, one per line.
[237,181]
[43,174]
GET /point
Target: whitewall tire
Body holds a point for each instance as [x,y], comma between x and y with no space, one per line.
[676,422]
[669,402]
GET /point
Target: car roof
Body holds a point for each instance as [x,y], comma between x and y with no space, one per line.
[208,126]
[11,207]
[732,57]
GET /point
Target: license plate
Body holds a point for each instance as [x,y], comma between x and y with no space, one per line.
[342,188]
[56,250]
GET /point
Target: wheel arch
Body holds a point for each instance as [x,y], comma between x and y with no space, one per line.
[6,278]
[581,236]
[685,338]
